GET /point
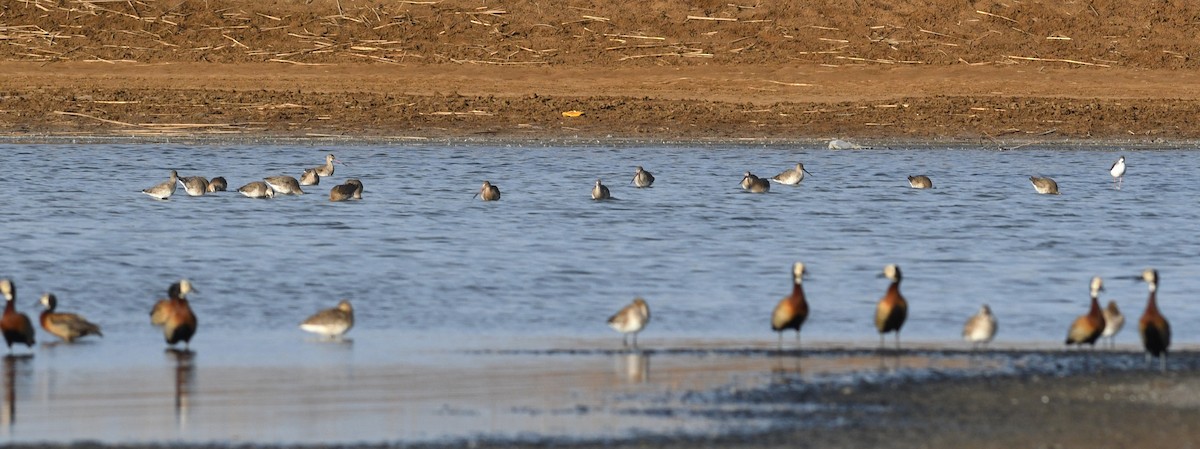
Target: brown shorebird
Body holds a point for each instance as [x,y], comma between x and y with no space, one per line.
[980,328]
[631,320]
[164,190]
[284,185]
[217,184]
[488,192]
[791,176]
[310,177]
[351,190]
[600,191]
[920,182]
[331,323]
[257,189]
[1113,322]
[194,185]
[755,184]
[1045,186]
[327,169]
[642,178]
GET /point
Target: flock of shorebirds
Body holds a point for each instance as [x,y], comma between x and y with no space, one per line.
[267,188]
[173,314]
[179,323]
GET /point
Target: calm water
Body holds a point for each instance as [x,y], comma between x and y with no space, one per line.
[427,266]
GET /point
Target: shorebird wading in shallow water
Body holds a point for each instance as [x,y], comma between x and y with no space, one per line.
[284,185]
[351,190]
[327,169]
[980,328]
[331,323]
[164,190]
[600,191]
[791,176]
[310,177]
[488,192]
[792,310]
[67,326]
[15,326]
[892,309]
[631,320]
[754,184]
[642,178]
[1043,185]
[217,184]
[1113,322]
[257,189]
[920,182]
[194,185]
[175,315]
[1155,331]
[1088,327]
[1118,172]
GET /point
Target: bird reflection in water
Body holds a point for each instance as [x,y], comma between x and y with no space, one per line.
[786,369]
[632,367]
[185,376]
[14,366]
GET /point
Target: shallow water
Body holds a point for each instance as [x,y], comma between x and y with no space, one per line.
[432,271]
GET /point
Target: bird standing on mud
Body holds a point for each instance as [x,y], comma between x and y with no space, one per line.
[1088,327]
[892,309]
[792,310]
[631,320]
[1113,322]
[175,315]
[980,328]
[332,323]
[67,326]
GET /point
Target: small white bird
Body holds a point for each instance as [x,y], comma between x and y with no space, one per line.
[1118,171]
[980,328]
[631,320]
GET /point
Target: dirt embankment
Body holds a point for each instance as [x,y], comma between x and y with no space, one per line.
[645,69]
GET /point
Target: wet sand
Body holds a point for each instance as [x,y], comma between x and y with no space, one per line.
[292,390]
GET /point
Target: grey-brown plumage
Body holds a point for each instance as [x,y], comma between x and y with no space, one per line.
[488,192]
[631,320]
[1044,185]
[331,322]
[165,189]
[257,189]
[217,184]
[310,177]
[284,185]
[791,176]
[327,169]
[642,178]
[194,185]
[755,184]
[600,191]
[351,190]
[920,182]
[67,326]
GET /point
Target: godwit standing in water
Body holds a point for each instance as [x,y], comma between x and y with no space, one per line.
[217,184]
[284,185]
[892,309]
[331,323]
[488,192]
[164,190]
[1113,322]
[1045,186]
[1118,171]
[175,315]
[1087,328]
[67,326]
[257,189]
[15,326]
[920,182]
[310,177]
[1156,332]
[792,310]
[791,176]
[600,191]
[754,184]
[642,178]
[327,169]
[351,190]
[631,320]
[194,185]
[980,328]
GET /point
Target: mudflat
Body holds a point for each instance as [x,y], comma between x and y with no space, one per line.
[929,70]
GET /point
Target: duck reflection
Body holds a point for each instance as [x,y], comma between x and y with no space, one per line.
[185,377]
[632,367]
[14,366]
